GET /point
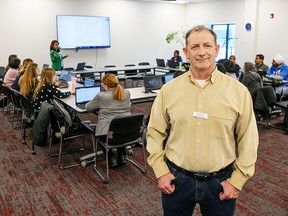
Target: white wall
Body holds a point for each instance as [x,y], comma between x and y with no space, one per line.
[139,29]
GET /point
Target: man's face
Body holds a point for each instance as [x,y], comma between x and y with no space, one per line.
[232,59]
[274,63]
[201,50]
[258,60]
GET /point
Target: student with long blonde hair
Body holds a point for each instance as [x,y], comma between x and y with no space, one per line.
[21,71]
[112,102]
[46,90]
[29,80]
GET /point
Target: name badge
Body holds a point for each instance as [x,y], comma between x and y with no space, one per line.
[200,115]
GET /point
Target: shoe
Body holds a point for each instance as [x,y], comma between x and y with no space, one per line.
[112,161]
[121,159]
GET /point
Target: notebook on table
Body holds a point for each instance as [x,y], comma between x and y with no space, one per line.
[160,62]
[85,94]
[152,83]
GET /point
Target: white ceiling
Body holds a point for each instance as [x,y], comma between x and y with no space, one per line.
[179,1]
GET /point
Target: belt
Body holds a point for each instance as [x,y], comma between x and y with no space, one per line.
[201,176]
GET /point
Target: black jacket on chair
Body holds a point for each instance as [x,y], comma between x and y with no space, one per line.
[263,99]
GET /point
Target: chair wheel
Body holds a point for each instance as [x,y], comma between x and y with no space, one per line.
[130,152]
[84,163]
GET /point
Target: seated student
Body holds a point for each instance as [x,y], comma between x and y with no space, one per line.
[9,59]
[21,71]
[176,58]
[12,72]
[251,79]
[279,68]
[46,89]
[231,69]
[110,103]
[29,81]
[237,68]
[259,63]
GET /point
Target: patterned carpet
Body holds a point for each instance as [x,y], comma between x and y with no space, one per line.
[34,185]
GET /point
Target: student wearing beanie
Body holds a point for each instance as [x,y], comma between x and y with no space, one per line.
[279,68]
[251,79]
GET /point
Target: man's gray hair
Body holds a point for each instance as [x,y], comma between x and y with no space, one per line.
[200,28]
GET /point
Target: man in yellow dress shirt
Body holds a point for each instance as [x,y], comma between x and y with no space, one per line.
[212,145]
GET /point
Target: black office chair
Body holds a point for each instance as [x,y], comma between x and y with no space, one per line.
[145,71]
[123,131]
[17,107]
[28,116]
[264,100]
[63,130]
[4,99]
[112,71]
[132,75]
[2,72]
[7,91]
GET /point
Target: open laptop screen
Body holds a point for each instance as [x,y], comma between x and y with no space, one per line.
[86,94]
[152,82]
[63,75]
[80,66]
[89,81]
[171,64]
[168,77]
[160,62]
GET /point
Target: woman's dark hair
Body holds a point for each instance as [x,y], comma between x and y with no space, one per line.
[11,57]
[52,45]
[221,68]
[14,63]
[177,51]
[229,66]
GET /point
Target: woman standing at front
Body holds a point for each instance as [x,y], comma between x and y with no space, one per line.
[112,102]
[56,56]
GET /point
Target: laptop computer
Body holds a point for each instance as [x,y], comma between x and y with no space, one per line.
[64,78]
[167,77]
[89,82]
[80,66]
[85,94]
[160,62]
[171,64]
[152,83]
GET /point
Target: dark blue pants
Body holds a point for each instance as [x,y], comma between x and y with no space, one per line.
[189,191]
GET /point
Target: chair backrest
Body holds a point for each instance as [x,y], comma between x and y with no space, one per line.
[68,69]
[16,100]
[89,66]
[7,92]
[1,84]
[269,95]
[263,100]
[124,129]
[130,72]
[144,64]
[25,104]
[113,72]
[2,71]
